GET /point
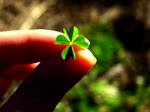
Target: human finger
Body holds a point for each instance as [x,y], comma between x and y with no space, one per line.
[49,82]
[26,46]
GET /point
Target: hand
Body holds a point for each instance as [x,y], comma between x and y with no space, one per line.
[19,53]
[45,83]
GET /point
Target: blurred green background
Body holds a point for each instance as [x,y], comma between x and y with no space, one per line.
[119,31]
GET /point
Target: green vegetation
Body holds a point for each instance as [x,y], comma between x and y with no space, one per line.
[98,91]
[70,38]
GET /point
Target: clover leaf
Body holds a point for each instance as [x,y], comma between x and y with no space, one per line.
[71,37]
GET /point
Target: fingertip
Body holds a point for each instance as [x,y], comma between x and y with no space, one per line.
[88,56]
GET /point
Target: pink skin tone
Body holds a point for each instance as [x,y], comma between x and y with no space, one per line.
[45,83]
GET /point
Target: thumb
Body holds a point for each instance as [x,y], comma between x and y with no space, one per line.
[49,82]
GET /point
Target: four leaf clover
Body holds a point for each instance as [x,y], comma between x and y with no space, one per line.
[71,37]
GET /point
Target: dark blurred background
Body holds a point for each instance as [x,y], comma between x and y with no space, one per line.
[119,31]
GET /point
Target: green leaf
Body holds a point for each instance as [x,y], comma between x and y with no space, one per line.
[82,41]
[68,52]
[65,52]
[61,39]
[73,53]
[73,33]
[66,33]
[71,37]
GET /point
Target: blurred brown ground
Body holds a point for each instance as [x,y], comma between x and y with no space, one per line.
[54,14]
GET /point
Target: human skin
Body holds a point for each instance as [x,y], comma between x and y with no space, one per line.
[46,83]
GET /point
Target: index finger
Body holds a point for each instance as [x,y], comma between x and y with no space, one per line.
[26,46]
